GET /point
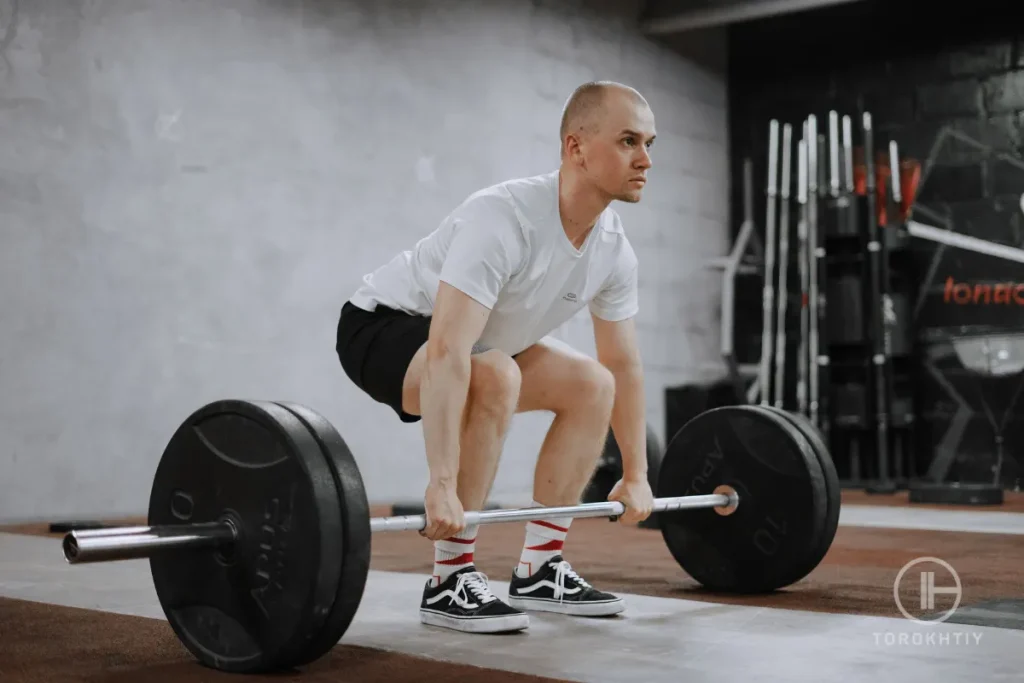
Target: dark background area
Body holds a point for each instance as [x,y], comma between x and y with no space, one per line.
[918,72]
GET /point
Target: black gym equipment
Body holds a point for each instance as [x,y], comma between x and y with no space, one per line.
[64,526]
[848,372]
[258,532]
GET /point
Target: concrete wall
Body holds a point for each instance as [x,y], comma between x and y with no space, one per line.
[189,191]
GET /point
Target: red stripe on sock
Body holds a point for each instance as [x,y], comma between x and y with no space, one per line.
[550,545]
[465,541]
[465,558]
[549,525]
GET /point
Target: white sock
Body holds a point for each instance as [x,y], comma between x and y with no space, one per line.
[453,553]
[544,540]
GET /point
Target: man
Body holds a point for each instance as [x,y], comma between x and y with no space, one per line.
[455,332]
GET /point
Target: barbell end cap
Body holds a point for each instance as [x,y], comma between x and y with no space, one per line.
[69,546]
[734,500]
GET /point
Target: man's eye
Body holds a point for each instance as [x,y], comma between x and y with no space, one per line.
[629,141]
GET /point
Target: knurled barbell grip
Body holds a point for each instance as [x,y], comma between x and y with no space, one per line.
[609,509]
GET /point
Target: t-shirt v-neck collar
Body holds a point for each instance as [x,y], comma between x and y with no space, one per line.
[563,239]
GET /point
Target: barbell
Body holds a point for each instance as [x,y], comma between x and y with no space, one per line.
[258,530]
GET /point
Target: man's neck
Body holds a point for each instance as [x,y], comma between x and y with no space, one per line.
[579,206]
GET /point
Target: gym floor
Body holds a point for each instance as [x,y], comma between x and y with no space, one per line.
[103,623]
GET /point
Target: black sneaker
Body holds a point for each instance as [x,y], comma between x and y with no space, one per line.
[464,602]
[555,587]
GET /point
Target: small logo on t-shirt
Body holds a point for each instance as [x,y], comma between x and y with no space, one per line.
[570,297]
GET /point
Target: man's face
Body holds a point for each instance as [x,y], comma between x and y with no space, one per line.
[617,154]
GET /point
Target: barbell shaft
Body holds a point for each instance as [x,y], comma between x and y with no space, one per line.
[609,509]
[125,543]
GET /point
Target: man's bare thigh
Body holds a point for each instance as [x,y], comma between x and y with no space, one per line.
[414,376]
[550,370]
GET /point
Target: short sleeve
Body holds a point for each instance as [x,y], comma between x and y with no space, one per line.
[618,299]
[484,252]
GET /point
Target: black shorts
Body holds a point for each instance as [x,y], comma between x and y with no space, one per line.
[375,349]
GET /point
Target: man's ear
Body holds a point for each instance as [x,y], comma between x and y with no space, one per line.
[574,149]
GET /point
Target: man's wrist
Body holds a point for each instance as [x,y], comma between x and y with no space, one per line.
[634,476]
[443,481]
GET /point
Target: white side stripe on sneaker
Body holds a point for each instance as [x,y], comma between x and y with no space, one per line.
[476,583]
[562,570]
[455,597]
[558,591]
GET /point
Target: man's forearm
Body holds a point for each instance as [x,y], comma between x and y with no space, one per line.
[443,392]
[629,421]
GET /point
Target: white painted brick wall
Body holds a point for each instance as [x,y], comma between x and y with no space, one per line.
[196,187]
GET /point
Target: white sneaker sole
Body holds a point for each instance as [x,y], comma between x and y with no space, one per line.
[502,624]
[584,609]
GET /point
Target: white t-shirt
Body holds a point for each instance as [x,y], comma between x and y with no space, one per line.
[505,247]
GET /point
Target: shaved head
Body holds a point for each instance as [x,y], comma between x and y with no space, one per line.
[606,136]
[583,110]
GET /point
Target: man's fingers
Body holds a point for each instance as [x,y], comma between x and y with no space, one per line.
[449,529]
[634,514]
[436,530]
[627,516]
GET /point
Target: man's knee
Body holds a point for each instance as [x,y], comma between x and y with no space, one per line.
[593,385]
[495,380]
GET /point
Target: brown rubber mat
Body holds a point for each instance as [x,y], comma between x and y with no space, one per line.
[50,644]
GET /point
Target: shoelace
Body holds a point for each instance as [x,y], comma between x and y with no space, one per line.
[475,583]
[562,570]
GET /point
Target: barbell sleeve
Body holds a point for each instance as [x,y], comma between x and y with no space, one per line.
[129,543]
[609,509]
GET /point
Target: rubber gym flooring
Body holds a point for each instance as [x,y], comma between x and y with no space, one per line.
[102,622]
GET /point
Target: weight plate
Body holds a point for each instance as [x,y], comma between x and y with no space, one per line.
[254,606]
[783,499]
[832,487]
[354,540]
